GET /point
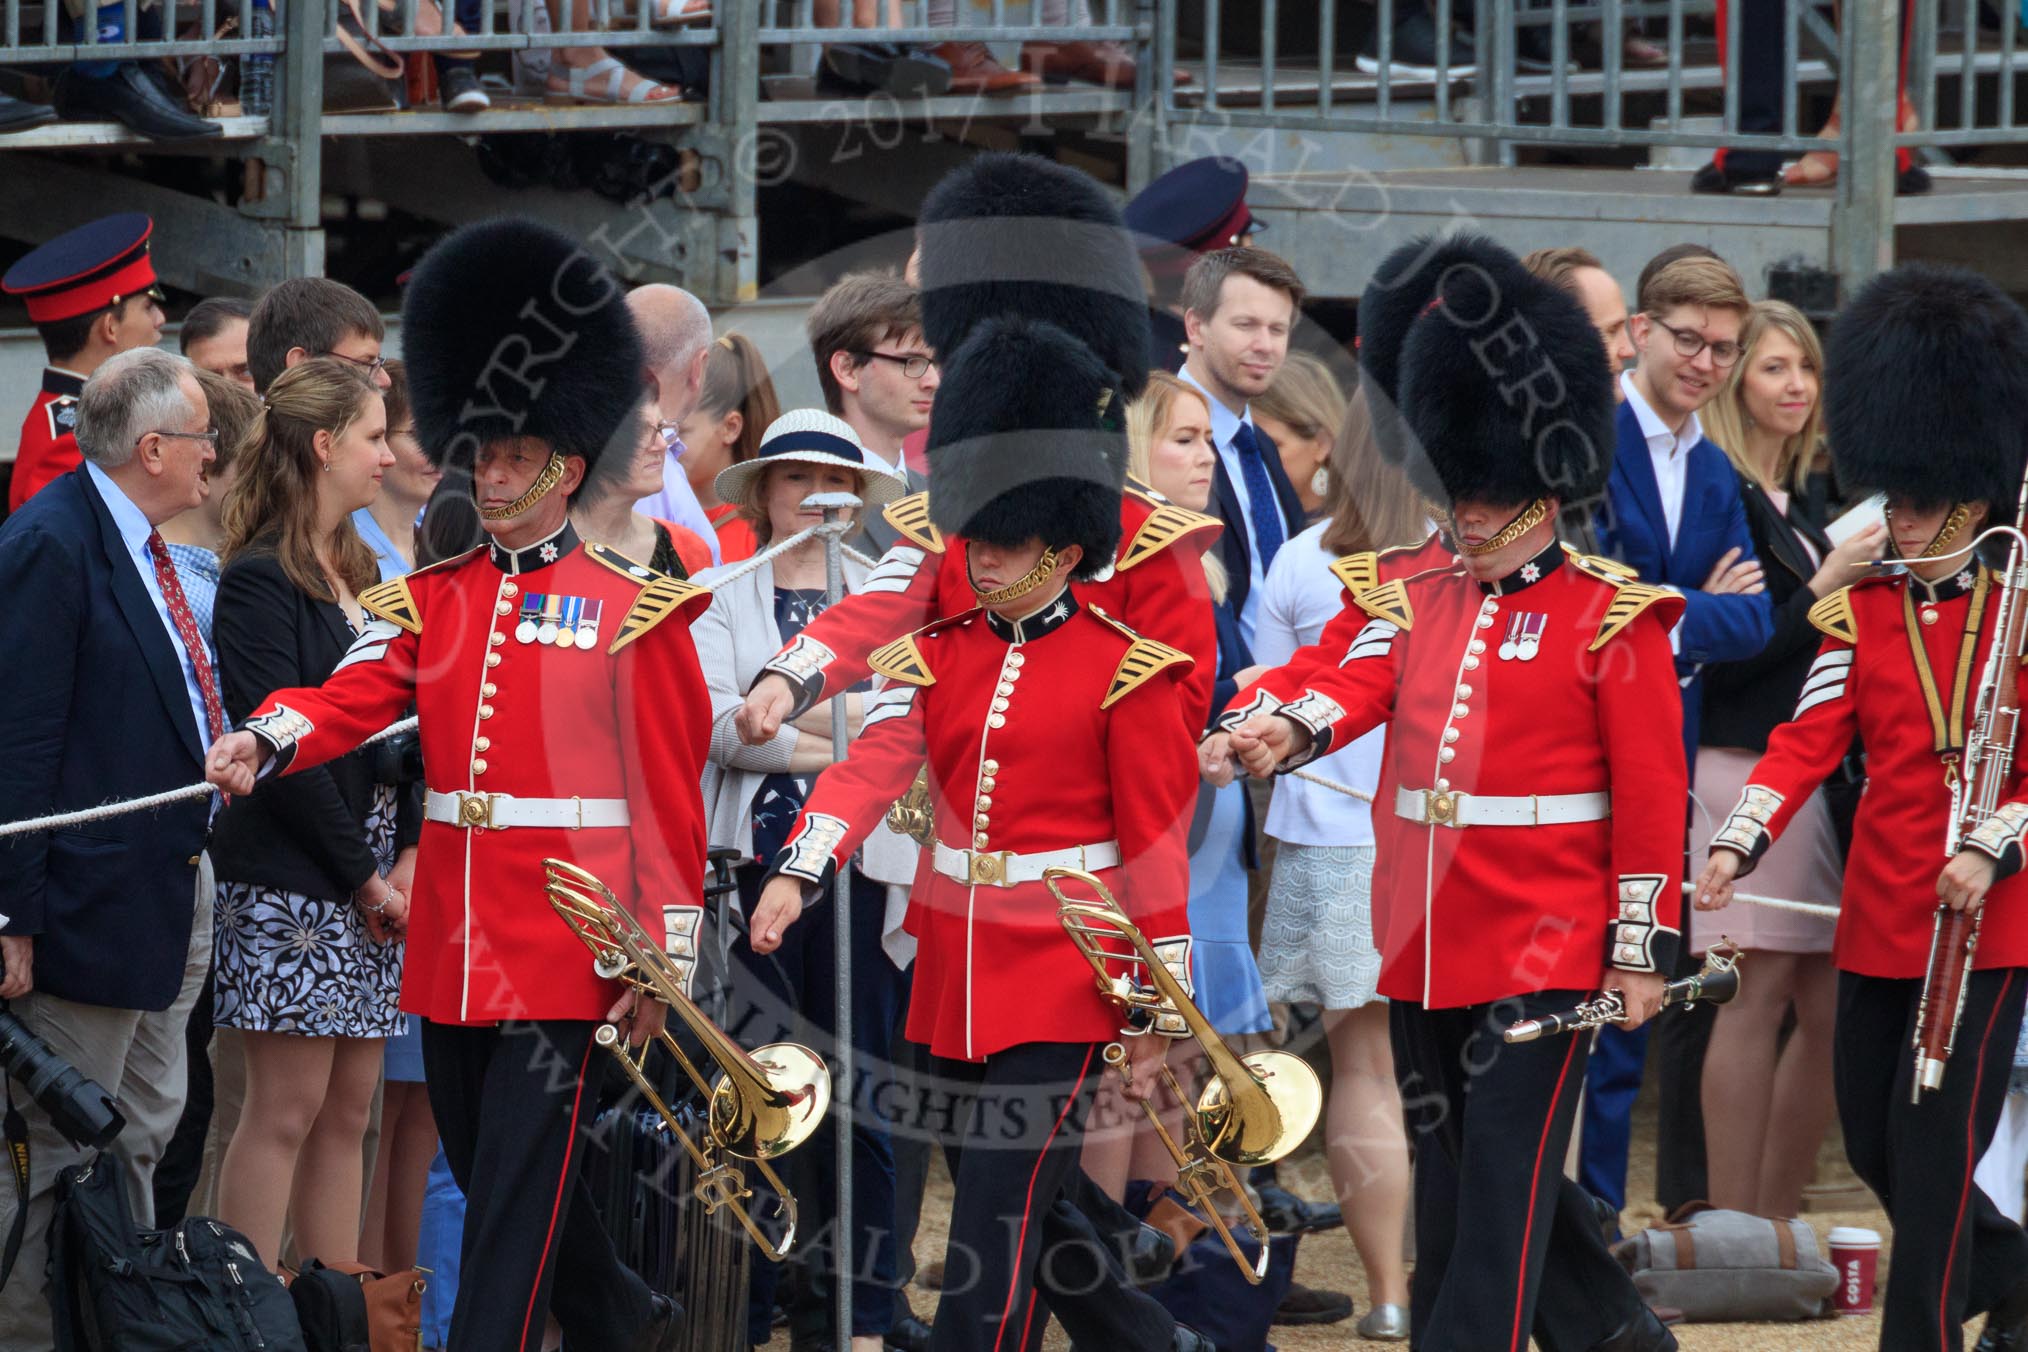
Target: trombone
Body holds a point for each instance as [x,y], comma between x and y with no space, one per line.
[1257,1108]
[763,1106]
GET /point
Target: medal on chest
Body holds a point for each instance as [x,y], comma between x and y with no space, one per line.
[559,621]
[1524,636]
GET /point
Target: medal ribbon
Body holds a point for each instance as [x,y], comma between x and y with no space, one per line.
[1947,732]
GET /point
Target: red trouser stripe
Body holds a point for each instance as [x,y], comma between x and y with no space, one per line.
[1518,1339]
[1028,1209]
[556,1205]
[1943,1319]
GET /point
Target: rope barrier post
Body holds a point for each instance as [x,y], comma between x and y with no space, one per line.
[836,508]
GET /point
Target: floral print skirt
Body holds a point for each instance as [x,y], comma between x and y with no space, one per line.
[287,963]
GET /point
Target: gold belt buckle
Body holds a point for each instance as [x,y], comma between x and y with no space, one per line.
[986,869]
[1439,808]
[475,810]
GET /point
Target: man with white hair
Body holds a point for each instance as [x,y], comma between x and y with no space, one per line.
[105,928]
[675,331]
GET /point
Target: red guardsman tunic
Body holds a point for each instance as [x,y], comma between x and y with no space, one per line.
[1061,731]
[1546,702]
[1156,584]
[546,675]
[1867,681]
[48,437]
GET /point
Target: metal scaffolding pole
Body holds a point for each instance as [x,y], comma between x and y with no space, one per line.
[1862,216]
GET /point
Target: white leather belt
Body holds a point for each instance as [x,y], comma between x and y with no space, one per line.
[1004,868]
[1429,807]
[498,811]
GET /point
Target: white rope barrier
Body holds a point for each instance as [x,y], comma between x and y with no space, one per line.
[154,800]
[783,546]
[1776,903]
[1333,785]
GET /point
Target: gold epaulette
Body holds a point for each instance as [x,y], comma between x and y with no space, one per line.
[1388,601]
[660,596]
[1164,526]
[902,661]
[1358,572]
[1610,570]
[1833,615]
[639,573]
[1629,600]
[910,516]
[1144,657]
[392,601]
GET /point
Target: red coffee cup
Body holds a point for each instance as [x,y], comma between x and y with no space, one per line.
[1856,1254]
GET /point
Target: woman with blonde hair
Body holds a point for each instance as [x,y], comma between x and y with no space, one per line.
[736,404]
[310,897]
[1302,412]
[1317,941]
[1766,1107]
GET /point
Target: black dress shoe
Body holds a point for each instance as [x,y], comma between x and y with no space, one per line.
[908,1334]
[665,1326]
[1644,1333]
[129,97]
[1288,1214]
[20,114]
[1716,179]
[1307,1305]
[884,67]
[1188,1339]
[1913,181]
[2007,1323]
[1149,1256]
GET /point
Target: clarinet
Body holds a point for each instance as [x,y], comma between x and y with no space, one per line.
[1987,764]
[1716,984]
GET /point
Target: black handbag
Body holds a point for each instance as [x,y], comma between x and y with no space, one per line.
[198,1287]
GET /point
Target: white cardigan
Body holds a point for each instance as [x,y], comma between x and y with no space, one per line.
[735,637]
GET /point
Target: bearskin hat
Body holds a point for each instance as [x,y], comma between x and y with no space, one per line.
[1027,440]
[1927,377]
[1484,382]
[511,329]
[1018,235]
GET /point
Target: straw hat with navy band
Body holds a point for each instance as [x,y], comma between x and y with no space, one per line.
[812,437]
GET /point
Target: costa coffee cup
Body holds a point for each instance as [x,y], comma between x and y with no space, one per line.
[1856,1254]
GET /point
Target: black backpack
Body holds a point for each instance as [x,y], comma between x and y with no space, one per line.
[331,1307]
[198,1287]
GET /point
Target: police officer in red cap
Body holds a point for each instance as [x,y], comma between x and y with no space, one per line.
[91,293]
[1194,209]
[563,716]
[1537,782]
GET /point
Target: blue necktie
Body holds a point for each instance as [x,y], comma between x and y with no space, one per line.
[1261,499]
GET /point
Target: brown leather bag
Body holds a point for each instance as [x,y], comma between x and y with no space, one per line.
[357,80]
[393,1305]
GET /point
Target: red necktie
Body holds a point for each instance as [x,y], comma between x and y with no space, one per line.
[186,629]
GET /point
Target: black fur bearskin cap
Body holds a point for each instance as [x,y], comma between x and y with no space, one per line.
[1018,235]
[1485,383]
[511,329]
[1027,442]
[1926,377]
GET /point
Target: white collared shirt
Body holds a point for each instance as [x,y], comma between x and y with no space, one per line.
[134,531]
[1224,425]
[1669,451]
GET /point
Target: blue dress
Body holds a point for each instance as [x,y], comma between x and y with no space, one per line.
[1221,959]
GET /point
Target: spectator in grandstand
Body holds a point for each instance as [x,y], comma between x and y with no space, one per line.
[1673,513]
[1317,942]
[736,405]
[1767,1102]
[214,337]
[307,317]
[877,372]
[675,331]
[195,539]
[753,796]
[91,294]
[906,72]
[313,870]
[1301,412]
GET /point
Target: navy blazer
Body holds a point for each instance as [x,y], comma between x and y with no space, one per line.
[97,710]
[1632,529]
[1235,542]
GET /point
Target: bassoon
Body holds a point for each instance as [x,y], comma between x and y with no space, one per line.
[1984,772]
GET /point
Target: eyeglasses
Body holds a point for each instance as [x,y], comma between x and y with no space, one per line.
[208,436]
[671,441]
[914,365]
[373,364]
[1689,343]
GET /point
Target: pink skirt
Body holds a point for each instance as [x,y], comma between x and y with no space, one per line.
[1803,865]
